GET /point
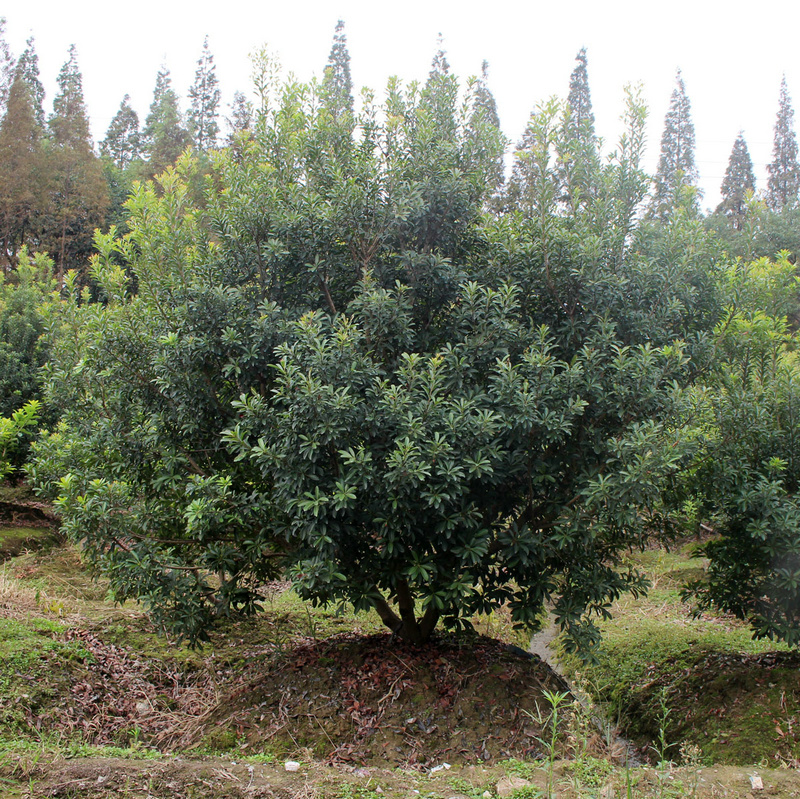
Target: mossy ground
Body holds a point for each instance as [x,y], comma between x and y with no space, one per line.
[14,540]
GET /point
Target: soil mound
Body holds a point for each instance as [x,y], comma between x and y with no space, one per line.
[739,708]
[370,699]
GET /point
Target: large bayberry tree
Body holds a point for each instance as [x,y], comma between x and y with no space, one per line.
[340,367]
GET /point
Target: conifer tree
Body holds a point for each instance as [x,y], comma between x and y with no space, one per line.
[533,187]
[484,114]
[165,138]
[122,152]
[241,118]
[122,143]
[676,166]
[240,123]
[204,102]
[579,100]
[337,85]
[739,180]
[441,90]
[783,184]
[78,190]
[579,162]
[6,66]
[484,104]
[28,68]
[69,123]
[21,172]
[440,65]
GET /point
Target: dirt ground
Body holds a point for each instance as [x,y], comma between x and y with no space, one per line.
[218,778]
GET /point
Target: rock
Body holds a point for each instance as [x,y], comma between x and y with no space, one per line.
[291,765]
[507,786]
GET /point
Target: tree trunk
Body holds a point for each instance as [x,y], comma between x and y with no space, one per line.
[406,625]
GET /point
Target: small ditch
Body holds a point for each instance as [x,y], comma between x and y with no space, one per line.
[25,523]
[540,645]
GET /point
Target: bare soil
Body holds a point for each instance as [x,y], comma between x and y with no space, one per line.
[372,700]
[227,778]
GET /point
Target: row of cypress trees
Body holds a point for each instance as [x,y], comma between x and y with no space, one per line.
[54,191]
[677,168]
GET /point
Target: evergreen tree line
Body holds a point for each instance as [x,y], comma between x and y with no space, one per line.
[55,190]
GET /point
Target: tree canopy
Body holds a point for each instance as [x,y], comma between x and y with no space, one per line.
[343,348]
[339,366]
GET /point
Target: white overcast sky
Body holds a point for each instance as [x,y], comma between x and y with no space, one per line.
[732,54]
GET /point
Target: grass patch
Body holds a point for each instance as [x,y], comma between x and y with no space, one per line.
[28,680]
[59,571]
[237,643]
[694,680]
[55,746]
[23,644]
[702,681]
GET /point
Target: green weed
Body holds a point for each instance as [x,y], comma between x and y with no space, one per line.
[466,788]
[552,721]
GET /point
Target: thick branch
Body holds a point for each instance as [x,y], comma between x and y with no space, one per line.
[326,291]
[388,616]
[406,625]
[428,622]
[405,603]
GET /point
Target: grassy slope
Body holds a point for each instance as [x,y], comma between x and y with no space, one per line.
[695,680]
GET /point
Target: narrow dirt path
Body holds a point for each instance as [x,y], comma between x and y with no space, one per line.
[540,645]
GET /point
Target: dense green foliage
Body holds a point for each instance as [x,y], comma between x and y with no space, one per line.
[744,476]
[343,349]
[24,295]
[340,367]
[12,431]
